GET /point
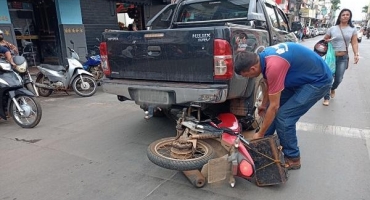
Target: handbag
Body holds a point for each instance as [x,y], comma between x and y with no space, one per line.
[345,42]
[330,58]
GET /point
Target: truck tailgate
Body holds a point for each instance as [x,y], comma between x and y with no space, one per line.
[184,55]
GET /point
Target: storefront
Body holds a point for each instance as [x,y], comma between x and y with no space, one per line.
[43,29]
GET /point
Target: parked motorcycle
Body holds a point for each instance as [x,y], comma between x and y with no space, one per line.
[15,100]
[213,149]
[92,64]
[22,69]
[59,78]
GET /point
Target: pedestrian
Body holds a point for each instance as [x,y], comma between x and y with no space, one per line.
[132,27]
[7,44]
[300,32]
[121,26]
[296,78]
[341,34]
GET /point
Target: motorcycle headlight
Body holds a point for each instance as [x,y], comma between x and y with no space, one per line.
[22,67]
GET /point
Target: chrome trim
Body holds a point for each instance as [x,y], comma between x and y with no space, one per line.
[184,92]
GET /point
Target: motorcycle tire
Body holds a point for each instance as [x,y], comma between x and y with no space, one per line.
[97,72]
[157,151]
[32,109]
[80,89]
[42,91]
[29,87]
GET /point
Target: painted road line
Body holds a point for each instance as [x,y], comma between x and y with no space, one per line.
[335,130]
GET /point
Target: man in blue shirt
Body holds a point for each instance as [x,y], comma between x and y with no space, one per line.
[8,55]
[296,78]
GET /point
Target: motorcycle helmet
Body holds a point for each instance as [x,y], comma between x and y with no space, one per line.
[1,32]
[321,48]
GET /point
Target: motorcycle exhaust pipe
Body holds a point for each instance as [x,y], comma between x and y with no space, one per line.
[40,85]
[195,177]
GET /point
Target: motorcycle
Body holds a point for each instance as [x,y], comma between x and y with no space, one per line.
[200,144]
[59,78]
[93,66]
[22,69]
[15,100]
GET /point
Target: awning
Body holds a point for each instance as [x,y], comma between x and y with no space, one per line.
[136,2]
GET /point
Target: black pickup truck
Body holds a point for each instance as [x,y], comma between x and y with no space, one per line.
[186,54]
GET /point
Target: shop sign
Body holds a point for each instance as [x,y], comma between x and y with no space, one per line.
[312,14]
[305,12]
[4,18]
[73,30]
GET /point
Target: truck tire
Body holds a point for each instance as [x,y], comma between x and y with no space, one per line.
[258,97]
[255,99]
[157,151]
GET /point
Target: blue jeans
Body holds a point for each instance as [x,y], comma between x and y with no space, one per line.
[294,103]
[341,63]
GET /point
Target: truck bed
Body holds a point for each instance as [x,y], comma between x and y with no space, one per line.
[180,55]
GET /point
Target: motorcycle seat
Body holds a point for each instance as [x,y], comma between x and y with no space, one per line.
[53,67]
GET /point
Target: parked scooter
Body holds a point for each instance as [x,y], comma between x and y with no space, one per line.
[22,69]
[58,78]
[213,149]
[15,100]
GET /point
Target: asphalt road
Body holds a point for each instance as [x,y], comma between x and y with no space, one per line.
[95,149]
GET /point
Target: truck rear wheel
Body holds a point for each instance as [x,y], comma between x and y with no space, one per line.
[258,97]
[159,152]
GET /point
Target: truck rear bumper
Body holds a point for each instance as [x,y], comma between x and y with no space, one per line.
[166,93]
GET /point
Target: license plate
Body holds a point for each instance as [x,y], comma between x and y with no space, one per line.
[153,96]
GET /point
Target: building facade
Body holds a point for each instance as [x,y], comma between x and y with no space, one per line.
[44,29]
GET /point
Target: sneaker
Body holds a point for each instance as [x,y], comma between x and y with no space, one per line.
[292,163]
[332,93]
[325,103]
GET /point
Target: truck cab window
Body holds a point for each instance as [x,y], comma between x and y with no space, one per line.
[214,10]
[283,24]
[272,15]
[163,19]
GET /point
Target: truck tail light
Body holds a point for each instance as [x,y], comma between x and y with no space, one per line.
[104,58]
[223,60]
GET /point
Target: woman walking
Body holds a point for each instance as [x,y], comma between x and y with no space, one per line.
[342,34]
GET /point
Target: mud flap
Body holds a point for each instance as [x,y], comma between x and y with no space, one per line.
[217,169]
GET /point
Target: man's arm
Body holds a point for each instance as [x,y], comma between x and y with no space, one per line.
[12,47]
[270,114]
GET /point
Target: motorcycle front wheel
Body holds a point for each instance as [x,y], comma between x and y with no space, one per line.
[159,152]
[84,87]
[31,112]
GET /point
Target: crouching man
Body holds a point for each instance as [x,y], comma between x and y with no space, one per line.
[296,79]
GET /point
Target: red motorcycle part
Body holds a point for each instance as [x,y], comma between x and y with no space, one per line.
[245,165]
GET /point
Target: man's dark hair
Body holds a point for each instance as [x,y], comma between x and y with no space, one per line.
[244,60]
